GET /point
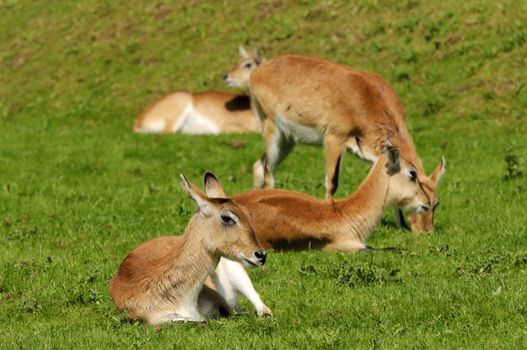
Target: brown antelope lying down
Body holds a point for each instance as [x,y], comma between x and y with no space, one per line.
[287,220]
[306,100]
[205,112]
[189,277]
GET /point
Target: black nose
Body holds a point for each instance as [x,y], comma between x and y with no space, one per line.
[225,77]
[261,255]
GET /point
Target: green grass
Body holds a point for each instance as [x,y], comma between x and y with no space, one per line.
[78,189]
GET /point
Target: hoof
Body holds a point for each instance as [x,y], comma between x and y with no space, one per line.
[265,312]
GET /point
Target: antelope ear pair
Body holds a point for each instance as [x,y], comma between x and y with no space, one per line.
[256,54]
[439,171]
[392,153]
[213,189]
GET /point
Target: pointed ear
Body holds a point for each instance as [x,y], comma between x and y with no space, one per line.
[204,205]
[213,186]
[439,171]
[243,52]
[258,56]
[394,162]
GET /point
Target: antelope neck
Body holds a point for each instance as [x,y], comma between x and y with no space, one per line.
[193,264]
[363,208]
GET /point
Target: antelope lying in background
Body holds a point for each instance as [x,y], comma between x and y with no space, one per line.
[306,100]
[205,112]
[286,220]
[188,277]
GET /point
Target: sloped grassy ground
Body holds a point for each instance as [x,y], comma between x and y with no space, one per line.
[78,189]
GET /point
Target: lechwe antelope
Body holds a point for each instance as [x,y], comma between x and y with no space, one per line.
[306,100]
[189,277]
[286,220]
[205,112]
[239,76]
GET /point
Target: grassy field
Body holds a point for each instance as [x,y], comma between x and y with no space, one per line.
[78,189]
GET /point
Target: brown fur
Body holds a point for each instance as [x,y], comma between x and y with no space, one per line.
[162,279]
[231,113]
[147,279]
[294,221]
[351,109]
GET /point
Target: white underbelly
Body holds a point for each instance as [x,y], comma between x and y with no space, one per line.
[299,133]
[195,123]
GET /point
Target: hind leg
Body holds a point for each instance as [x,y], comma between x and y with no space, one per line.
[334,148]
[277,147]
[212,304]
[345,246]
[260,173]
[173,317]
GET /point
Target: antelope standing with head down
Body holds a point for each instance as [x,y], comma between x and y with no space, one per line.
[188,277]
[286,220]
[204,112]
[306,100]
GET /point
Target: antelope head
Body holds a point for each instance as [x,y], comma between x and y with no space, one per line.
[424,222]
[407,189]
[239,75]
[225,226]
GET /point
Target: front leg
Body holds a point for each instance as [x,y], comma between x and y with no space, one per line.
[399,217]
[334,148]
[240,281]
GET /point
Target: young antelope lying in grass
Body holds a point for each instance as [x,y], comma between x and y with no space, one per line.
[189,277]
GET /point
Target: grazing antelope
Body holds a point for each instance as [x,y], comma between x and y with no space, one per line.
[286,220]
[188,277]
[205,112]
[307,100]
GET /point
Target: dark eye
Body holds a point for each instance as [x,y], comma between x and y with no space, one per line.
[248,65]
[227,220]
[413,175]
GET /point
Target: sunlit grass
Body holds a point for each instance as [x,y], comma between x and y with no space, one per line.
[78,189]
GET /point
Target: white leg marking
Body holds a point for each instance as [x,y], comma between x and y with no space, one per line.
[259,174]
[241,284]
